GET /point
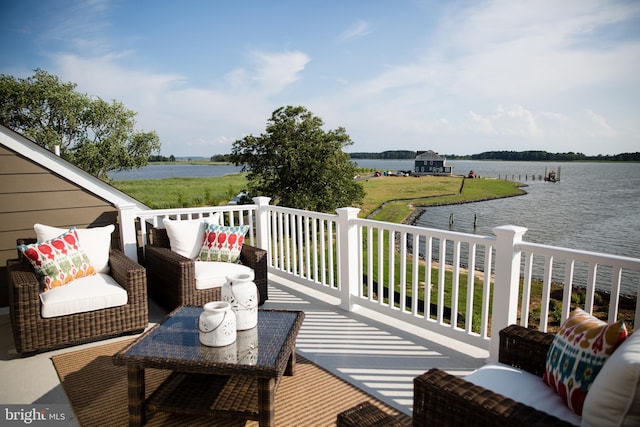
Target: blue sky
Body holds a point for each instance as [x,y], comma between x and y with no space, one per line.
[456,77]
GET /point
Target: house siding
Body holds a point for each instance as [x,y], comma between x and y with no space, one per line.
[31,193]
[429,163]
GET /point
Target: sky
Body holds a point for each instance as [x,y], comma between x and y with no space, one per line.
[455,77]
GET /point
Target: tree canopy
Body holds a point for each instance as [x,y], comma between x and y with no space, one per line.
[299,164]
[93,134]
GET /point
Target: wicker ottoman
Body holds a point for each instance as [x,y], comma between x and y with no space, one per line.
[366,414]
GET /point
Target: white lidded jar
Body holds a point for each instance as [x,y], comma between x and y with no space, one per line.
[240,291]
[217,324]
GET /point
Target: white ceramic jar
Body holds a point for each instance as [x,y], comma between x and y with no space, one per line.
[217,324]
[240,291]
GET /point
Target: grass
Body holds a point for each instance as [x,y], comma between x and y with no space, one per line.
[392,199]
[183,192]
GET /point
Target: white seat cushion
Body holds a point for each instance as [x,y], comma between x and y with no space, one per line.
[212,274]
[82,295]
[523,387]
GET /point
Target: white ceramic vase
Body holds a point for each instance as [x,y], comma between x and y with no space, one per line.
[217,324]
[240,291]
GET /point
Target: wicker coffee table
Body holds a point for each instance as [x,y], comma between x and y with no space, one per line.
[239,380]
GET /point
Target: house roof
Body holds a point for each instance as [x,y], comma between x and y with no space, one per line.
[56,164]
[428,155]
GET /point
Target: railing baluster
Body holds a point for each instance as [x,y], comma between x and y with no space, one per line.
[283,244]
[471,276]
[392,268]
[441,278]
[323,256]
[299,245]
[526,290]
[332,272]
[370,281]
[568,288]
[415,274]
[314,240]
[591,287]
[403,271]
[428,260]
[455,285]
[361,291]
[272,254]
[546,293]
[614,296]
[486,292]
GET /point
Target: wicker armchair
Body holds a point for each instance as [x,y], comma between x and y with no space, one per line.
[172,276]
[440,399]
[33,333]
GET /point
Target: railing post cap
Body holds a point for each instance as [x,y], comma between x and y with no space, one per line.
[513,230]
[261,200]
[351,212]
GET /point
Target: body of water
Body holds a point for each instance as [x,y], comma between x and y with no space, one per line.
[174,171]
[594,206]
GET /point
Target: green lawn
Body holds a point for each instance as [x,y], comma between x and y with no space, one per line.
[183,192]
[392,198]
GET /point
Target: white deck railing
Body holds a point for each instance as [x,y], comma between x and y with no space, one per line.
[383,266]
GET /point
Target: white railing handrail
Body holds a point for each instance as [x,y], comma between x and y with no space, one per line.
[581,255]
[434,232]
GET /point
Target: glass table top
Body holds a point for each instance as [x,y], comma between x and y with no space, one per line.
[176,339]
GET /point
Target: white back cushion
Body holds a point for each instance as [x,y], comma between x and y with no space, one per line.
[185,236]
[614,398]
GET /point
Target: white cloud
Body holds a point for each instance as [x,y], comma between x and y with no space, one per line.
[358,29]
[515,121]
[275,71]
[601,127]
[206,119]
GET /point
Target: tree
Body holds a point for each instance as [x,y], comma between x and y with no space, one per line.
[93,134]
[298,164]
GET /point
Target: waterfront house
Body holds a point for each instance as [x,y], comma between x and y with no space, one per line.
[430,163]
[338,268]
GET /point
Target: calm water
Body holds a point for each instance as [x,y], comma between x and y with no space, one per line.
[175,171]
[595,206]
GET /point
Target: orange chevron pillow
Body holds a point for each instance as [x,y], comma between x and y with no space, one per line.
[58,261]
